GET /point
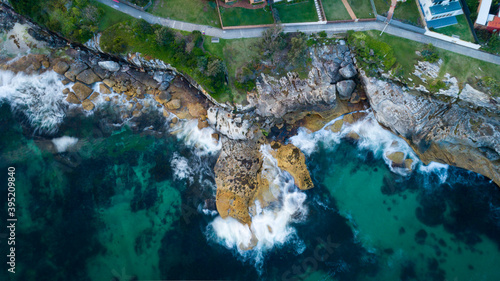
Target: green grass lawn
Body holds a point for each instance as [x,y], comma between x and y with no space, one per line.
[335,10]
[194,11]
[461,29]
[407,12]
[362,8]
[240,16]
[297,12]
[236,54]
[465,69]
[382,6]
[110,16]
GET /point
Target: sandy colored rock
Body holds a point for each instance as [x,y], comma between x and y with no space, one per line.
[72,98]
[108,82]
[408,163]
[215,136]
[94,96]
[65,81]
[202,124]
[175,120]
[88,105]
[139,106]
[163,97]
[107,98]
[336,126]
[292,160]
[166,113]
[174,104]
[60,67]
[65,91]
[46,63]
[81,90]
[353,136]
[103,89]
[74,70]
[136,113]
[88,77]
[397,157]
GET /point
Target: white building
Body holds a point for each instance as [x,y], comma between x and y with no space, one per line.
[441,13]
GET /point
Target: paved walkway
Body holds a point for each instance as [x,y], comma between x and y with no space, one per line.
[349,9]
[307,28]
[391,9]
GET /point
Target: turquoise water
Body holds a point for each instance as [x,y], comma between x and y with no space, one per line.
[129,202]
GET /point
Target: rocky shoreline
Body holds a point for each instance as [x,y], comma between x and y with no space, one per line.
[447,132]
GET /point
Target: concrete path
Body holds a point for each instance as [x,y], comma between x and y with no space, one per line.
[349,9]
[307,28]
[390,13]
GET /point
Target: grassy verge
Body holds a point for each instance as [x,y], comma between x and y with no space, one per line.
[362,8]
[304,11]
[382,6]
[407,12]
[236,54]
[241,16]
[194,11]
[403,51]
[110,16]
[335,10]
[461,29]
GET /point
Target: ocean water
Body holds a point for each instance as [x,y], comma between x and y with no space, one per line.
[102,199]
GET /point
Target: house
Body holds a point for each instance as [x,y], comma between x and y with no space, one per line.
[251,1]
[441,13]
[485,20]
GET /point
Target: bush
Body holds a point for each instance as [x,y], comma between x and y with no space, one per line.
[429,53]
[322,34]
[374,53]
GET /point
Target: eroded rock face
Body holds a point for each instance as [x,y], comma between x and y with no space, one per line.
[438,131]
[292,160]
[317,93]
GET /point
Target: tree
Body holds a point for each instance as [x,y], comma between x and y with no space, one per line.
[298,48]
[215,67]
[164,36]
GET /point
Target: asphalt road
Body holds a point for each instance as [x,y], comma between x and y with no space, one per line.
[307,28]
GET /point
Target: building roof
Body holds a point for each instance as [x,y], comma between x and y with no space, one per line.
[441,9]
[495,23]
[484,10]
[442,22]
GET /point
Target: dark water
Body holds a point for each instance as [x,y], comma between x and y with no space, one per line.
[120,204]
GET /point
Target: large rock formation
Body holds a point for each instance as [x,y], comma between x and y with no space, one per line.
[447,132]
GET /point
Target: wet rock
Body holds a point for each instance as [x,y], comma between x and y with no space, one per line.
[65,82]
[164,97]
[107,98]
[292,160]
[74,70]
[396,157]
[88,77]
[355,98]
[174,104]
[345,89]
[102,73]
[164,86]
[408,163]
[215,136]
[336,127]
[108,82]
[348,71]
[109,65]
[94,96]
[88,105]
[103,89]
[60,67]
[175,120]
[202,124]
[72,98]
[65,91]
[46,63]
[81,90]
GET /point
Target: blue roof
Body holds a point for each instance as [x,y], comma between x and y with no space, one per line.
[441,9]
[442,22]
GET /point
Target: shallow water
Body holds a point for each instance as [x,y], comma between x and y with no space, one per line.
[99,200]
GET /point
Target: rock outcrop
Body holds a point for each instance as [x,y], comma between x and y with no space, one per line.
[439,131]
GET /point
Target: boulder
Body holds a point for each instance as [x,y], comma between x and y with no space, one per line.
[108,82]
[348,71]
[60,67]
[88,77]
[65,82]
[329,95]
[345,89]
[94,96]
[292,160]
[163,97]
[202,124]
[102,73]
[74,70]
[71,98]
[46,63]
[109,65]
[103,89]
[65,91]
[397,157]
[81,90]
[88,105]
[174,104]
[355,98]
[163,86]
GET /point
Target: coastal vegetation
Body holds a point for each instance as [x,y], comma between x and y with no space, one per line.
[399,56]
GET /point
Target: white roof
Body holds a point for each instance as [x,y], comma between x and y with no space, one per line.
[484,10]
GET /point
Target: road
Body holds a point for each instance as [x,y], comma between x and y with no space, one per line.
[306,28]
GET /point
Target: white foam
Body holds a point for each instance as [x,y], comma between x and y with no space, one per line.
[64,142]
[371,137]
[180,167]
[271,226]
[437,168]
[201,140]
[40,97]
